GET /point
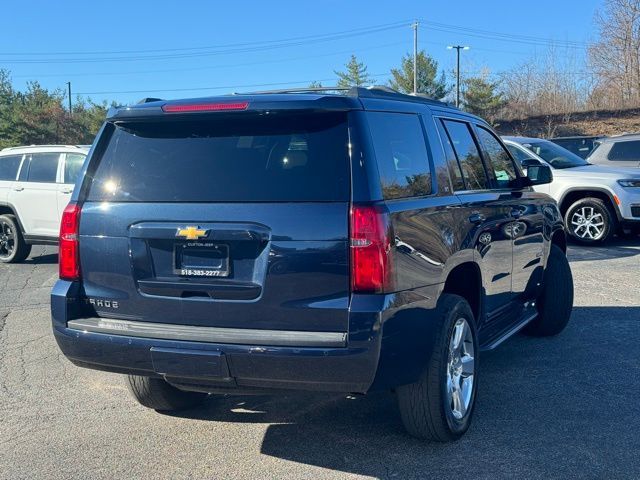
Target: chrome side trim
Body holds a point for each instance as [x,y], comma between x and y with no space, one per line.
[241,336]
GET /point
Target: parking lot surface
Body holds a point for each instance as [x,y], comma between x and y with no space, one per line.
[564,407]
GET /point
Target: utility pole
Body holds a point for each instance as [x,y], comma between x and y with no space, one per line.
[69,92]
[458,48]
[415,56]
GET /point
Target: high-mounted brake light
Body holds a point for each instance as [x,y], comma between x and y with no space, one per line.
[371,267]
[69,260]
[205,107]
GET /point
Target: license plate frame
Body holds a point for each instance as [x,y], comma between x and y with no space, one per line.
[198,259]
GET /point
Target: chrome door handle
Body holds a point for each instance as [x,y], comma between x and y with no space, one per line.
[477,217]
[67,191]
[18,189]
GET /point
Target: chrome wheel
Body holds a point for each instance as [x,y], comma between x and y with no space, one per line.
[460,369]
[7,240]
[588,223]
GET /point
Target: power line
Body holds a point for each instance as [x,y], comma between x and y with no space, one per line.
[361,30]
[263,46]
[226,87]
[505,37]
[212,67]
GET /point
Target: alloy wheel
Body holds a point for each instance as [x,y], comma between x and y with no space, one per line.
[7,240]
[460,369]
[588,223]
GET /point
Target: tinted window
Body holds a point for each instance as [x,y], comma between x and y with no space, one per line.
[72,166]
[555,155]
[518,154]
[452,162]
[401,153]
[467,154]
[43,167]
[238,158]
[9,167]
[500,162]
[625,151]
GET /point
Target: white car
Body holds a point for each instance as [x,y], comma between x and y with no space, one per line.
[36,183]
[595,201]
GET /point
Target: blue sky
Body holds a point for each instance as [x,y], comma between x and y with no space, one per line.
[124,51]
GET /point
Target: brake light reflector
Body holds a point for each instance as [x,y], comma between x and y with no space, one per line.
[69,260]
[205,107]
[371,268]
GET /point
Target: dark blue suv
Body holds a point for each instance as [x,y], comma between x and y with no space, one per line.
[319,240]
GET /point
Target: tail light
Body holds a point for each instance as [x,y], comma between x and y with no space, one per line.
[69,260]
[371,267]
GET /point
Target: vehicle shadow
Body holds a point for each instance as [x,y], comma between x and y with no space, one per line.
[617,248]
[547,407]
[45,259]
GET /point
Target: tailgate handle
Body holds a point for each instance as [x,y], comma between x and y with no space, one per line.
[226,291]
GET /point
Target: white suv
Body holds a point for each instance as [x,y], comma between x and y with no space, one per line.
[36,183]
[596,201]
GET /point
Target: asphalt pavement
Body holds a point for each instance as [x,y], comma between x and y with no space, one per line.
[563,407]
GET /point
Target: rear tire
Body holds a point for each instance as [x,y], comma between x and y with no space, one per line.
[590,221]
[429,408]
[157,394]
[13,248]
[556,301]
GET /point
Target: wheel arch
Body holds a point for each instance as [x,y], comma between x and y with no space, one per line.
[572,195]
[465,280]
[8,209]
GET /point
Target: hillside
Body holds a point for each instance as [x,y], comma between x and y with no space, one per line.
[601,122]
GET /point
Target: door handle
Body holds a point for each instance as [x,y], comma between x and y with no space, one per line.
[18,189]
[477,217]
[67,190]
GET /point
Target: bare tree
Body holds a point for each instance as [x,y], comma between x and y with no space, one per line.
[615,57]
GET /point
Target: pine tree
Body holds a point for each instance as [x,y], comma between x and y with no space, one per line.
[481,97]
[429,82]
[355,74]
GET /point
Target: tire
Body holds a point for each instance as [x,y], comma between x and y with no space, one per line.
[597,211]
[13,248]
[425,406]
[556,301]
[158,395]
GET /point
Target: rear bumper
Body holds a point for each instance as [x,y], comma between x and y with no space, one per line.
[368,360]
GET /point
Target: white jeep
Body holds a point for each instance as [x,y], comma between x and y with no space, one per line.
[36,183]
[596,201]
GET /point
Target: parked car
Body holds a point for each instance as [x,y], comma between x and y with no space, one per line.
[596,201]
[580,145]
[35,186]
[618,151]
[272,242]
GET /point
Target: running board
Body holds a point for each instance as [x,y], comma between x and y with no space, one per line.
[510,332]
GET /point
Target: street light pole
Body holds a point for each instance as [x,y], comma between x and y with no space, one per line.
[458,48]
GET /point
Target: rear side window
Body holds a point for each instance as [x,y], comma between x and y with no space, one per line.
[625,151]
[401,154]
[9,167]
[238,158]
[41,168]
[503,168]
[468,156]
[72,166]
[452,162]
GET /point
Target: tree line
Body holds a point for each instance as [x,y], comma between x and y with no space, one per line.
[558,82]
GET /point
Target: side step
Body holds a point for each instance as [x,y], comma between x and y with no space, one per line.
[529,315]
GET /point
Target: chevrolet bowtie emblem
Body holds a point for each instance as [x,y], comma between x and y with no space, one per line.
[191,233]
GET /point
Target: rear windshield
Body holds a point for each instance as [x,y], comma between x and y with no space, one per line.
[241,158]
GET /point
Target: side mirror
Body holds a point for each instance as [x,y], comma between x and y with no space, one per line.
[530,162]
[539,174]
